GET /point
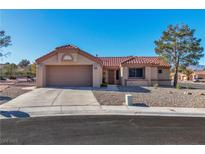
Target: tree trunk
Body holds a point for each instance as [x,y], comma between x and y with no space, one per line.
[175,79]
[176,75]
[188,77]
[175,65]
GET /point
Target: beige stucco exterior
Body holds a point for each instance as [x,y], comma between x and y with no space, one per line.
[197,74]
[77,59]
[151,76]
[74,58]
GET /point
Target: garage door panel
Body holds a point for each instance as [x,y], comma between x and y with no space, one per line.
[69,75]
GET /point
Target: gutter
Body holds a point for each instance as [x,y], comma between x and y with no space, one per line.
[60,110]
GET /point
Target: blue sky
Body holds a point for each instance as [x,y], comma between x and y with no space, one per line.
[103,32]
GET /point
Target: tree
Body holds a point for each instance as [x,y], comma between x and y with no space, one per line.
[10,70]
[186,71]
[5,41]
[33,69]
[24,63]
[29,71]
[178,46]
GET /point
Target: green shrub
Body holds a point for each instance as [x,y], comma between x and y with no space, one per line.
[12,77]
[103,84]
[178,86]
[189,87]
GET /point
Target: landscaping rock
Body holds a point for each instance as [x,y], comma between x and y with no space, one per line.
[187,93]
[3,87]
[160,97]
[170,92]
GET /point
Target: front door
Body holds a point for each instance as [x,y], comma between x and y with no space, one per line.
[111,79]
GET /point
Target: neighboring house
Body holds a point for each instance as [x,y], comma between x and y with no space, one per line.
[197,74]
[70,66]
[181,76]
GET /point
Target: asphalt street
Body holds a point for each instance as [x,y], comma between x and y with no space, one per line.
[106,130]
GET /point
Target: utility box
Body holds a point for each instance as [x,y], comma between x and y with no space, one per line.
[128,99]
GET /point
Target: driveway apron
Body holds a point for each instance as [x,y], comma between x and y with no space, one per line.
[53,97]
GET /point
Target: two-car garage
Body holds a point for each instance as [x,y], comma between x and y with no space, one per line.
[68,66]
[69,75]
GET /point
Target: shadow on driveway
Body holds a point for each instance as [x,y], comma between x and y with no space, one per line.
[138,89]
[118,88]
[140,105]
[18,114]
[4,99]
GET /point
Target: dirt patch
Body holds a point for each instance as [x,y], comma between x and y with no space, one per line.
[13,91]
[2,87]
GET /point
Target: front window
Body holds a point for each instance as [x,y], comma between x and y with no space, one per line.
[160,71]
[136,72]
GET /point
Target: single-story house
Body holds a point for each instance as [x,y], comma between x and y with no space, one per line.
[181,76]
[197,74]
[70,66]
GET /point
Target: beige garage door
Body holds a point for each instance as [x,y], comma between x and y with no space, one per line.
[69,75]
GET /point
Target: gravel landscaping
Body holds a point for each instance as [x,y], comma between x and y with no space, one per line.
[153,97]
[12,91]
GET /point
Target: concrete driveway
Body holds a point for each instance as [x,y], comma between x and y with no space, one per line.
[42,97]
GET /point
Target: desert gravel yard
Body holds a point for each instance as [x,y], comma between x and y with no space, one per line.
[12,91]
[153,97]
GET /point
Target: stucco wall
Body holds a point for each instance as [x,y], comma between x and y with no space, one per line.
[150,73]
[164,77]
[151,76]
[39,75]
[97,75]
[154,73]
[78,59]
[165,73]
[164,83]
[138,82]
[124,75]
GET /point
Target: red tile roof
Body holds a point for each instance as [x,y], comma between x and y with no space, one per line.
[116,61]
[57,49]
[199,72]
[69,46]
[113,61]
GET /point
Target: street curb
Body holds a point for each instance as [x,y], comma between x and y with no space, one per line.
[109,110]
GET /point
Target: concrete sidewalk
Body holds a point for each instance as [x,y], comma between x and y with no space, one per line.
[60,110]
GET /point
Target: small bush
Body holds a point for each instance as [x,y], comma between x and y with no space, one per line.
[189,87]
[12,77]
[103,85]
[178,86]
